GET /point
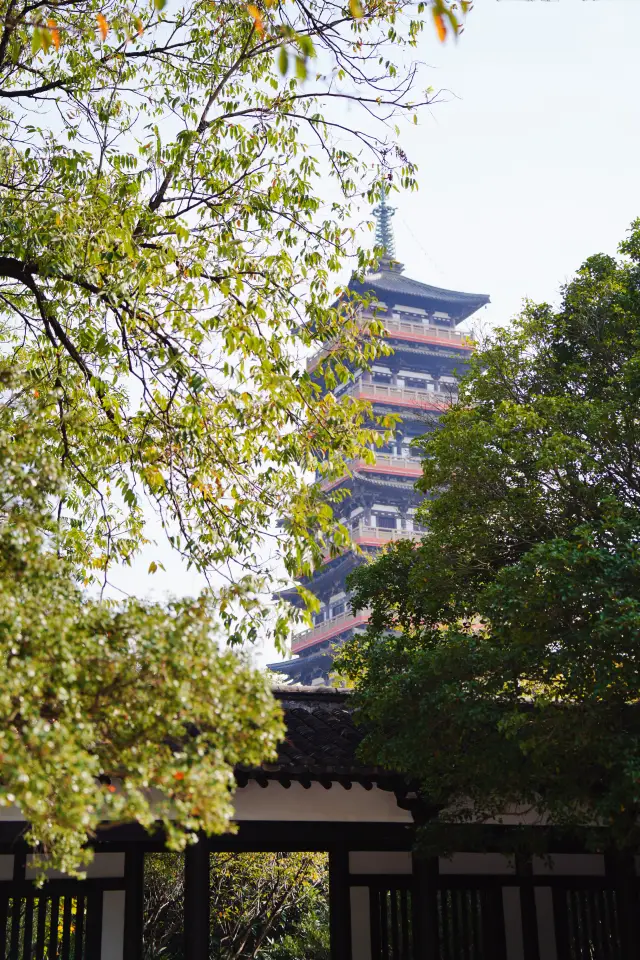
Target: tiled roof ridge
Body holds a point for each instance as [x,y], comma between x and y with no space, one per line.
[395,282]
[303,694]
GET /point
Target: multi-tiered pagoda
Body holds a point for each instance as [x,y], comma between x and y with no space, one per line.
[417,381]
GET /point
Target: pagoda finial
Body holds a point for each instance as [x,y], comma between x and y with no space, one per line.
[384,230]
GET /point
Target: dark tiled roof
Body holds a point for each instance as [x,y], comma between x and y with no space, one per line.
[405,485]
[321,658]
[335,569]
[391,287]
[321,742]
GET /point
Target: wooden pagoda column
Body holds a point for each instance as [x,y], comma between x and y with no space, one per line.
[621,869]
[196,901]
[133,904]
[425,907]
[528,909]
[339,904]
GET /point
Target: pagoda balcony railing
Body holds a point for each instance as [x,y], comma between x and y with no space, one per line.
[328,629]
[399,396]
[391,462]
[426,332]
[405,330]
[384,463]
[363,534]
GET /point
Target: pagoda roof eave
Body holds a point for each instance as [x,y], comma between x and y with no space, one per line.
[336,567]
[319,658]
[374,481]
[392,287]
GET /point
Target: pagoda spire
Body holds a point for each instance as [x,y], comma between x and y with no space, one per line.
[384,230]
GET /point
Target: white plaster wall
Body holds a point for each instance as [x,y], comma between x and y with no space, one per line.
[360,924]
[546,927]
[380,861]
[357,805]
[477,863]
[112,944]
[102,865]
[577,864]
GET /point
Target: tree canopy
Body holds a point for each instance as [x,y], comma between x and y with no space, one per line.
[107,712]
[501,667]
[179,185]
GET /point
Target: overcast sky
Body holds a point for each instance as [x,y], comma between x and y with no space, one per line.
[529,164]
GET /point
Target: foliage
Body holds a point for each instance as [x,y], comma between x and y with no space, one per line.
[179,185]
[261,905]
[502,662]
[107,712]
[308,938]
[449,16]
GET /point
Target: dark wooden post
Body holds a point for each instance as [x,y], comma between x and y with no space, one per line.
[528,909]
[339,905]
[620,868]
[93,935]
[425,907]
[196,901]
[133,903]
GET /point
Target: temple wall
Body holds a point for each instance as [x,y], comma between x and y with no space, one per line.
[297,803]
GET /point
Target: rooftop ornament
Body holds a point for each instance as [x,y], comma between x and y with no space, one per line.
[384,231]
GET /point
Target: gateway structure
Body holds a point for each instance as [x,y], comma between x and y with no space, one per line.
[417,382]
[386,902]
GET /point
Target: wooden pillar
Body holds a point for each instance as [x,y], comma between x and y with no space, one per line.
[339,905]
[425,908]
[133,904]
[528,909]
[93,935]
[621,869]
[196,901]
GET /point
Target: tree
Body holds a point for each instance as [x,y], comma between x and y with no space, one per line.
[122,712]
[261,905]
[179,188]
[177,193]
[502,662]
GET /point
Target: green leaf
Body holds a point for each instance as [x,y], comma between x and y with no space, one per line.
[36,40]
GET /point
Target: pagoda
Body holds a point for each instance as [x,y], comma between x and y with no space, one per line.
[417,381]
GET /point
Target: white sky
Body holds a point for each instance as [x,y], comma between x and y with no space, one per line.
[529,164]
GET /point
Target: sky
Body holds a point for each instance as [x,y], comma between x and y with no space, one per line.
[528,164]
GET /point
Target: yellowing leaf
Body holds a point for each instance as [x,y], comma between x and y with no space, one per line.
[356,9]
[55,33]
[257,17]
[441,28]
[103,26]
